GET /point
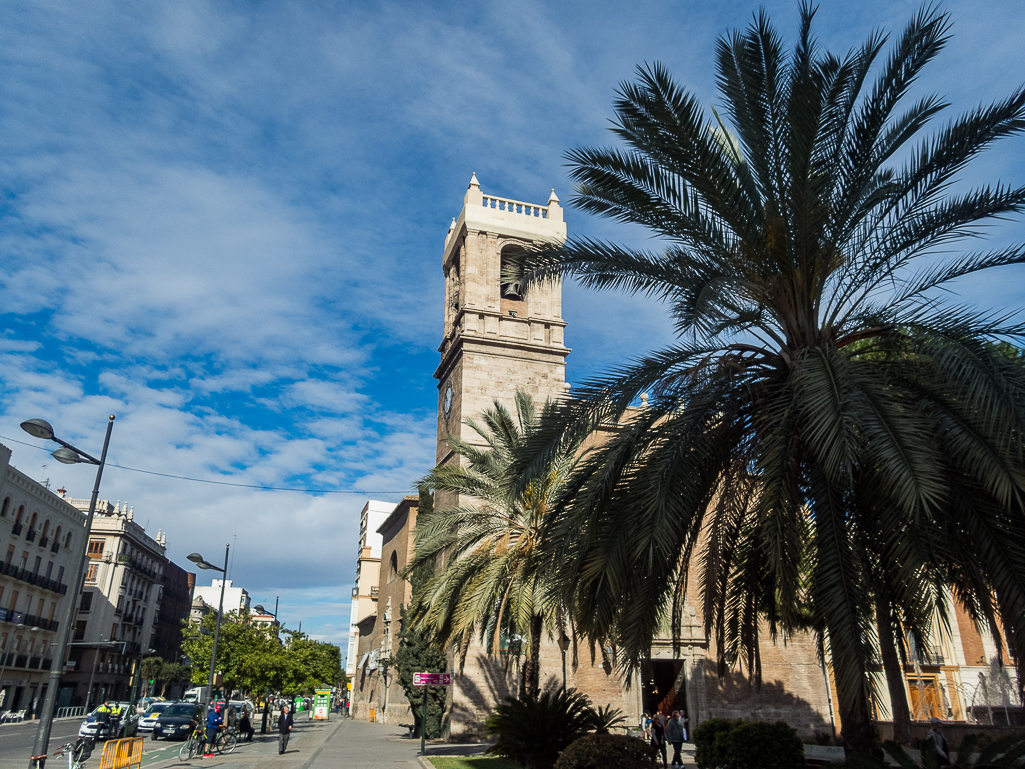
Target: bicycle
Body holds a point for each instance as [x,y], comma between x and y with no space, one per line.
[190,747]
[77,752]
[223,743]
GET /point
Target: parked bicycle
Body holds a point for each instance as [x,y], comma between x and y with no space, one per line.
[77,752]
[224,743]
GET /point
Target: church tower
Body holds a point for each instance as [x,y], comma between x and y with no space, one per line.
[496,341]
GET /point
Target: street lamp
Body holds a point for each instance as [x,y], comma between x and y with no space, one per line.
[135,688]
[564,646]
[266,699]
[68,455]
[202,563]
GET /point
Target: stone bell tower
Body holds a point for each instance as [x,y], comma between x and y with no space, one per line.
[497,341]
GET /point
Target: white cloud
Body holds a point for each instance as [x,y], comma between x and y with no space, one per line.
[224,222]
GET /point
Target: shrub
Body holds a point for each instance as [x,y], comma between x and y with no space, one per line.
[534,729]
[605,718]
[759,745]
[706,753]
[607,751]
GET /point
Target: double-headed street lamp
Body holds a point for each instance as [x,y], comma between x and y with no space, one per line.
[266,700]
[68,455]
[202,563]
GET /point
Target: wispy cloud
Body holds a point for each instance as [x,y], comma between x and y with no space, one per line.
[224,222]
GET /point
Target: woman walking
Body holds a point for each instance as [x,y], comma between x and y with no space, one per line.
[658,735]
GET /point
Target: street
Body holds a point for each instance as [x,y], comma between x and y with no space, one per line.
[16,740]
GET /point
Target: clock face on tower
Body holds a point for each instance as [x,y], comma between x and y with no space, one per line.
[448,401]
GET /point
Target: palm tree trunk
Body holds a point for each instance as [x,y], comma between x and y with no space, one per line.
[894,674]
[532,665]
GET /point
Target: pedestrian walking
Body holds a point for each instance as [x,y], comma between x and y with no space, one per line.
[674,735]
[658,735]
[935,736]
[646,725]
[285,722]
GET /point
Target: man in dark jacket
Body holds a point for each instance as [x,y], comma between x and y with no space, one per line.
[674,736]
[285,722]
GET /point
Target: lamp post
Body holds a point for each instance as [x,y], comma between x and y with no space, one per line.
[97,646]
[564,647]
[68,455]
[135,688]
[202,563]
[266,699]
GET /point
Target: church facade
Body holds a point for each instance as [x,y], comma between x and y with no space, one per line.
[495,342]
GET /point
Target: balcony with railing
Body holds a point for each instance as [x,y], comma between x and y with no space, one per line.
[32,578]
[30,535]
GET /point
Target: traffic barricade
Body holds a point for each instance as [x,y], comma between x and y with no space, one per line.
[121,754]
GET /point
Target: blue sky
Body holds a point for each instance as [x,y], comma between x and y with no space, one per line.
[223,222]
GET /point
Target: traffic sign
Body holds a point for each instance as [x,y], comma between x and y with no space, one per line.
[432,679]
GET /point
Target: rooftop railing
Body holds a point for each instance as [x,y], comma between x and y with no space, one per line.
[515,206]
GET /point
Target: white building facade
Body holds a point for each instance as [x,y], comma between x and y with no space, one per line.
[368,567]
[236,599]
[41,540]
[118,607]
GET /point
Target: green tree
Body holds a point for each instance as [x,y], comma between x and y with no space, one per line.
[307,664]
[490,583]
[151,671]
[171,673]
[823,409]
[416,653]
[248,655]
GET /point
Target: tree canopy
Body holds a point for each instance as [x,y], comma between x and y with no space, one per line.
[828,427]
[252,657]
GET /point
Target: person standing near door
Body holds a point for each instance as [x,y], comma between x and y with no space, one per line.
[285,722]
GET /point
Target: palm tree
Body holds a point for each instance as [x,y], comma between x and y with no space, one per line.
[489,583]
[825,420]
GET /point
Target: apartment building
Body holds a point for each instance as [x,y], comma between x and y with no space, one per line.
[41,536]
[118,607]
[368,567]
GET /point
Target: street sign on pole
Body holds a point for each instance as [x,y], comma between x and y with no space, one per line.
[428,679]
[432,679]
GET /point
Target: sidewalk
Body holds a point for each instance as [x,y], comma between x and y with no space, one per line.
[340,742]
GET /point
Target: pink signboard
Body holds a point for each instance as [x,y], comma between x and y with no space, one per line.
[432,679]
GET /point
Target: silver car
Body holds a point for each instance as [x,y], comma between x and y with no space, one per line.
[106,725]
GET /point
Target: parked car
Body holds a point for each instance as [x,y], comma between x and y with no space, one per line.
[177,720]
[149,718]
[107,725]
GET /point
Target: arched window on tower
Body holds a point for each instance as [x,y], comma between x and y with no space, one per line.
[393,567]
[513,302]
[6,507]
